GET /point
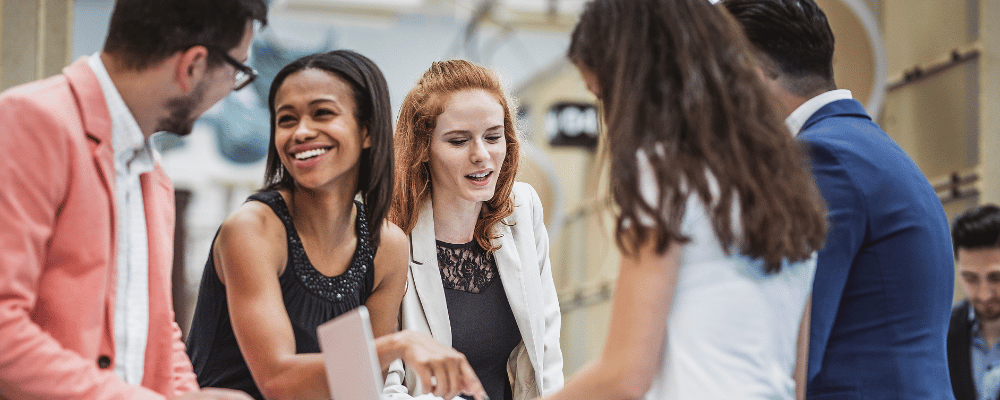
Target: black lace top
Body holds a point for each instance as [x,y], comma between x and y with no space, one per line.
[310,298]
[482,324]
[466,267]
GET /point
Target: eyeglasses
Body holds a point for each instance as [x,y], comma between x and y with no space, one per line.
[244,73]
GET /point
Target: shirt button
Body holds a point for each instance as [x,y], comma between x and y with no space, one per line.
[103,362]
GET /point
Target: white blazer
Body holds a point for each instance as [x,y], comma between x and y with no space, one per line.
[535,365]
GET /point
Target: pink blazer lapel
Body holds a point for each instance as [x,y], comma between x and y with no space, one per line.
[96,118]
[97,127]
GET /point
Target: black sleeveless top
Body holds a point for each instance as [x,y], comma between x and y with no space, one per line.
[483,327]
[310,298]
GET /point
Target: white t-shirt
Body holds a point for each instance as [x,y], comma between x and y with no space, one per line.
[732,329]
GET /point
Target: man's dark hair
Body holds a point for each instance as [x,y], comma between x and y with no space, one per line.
[145,32]
[977,228]
[794,36]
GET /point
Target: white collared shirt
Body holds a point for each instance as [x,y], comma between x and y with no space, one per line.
[132,156]
[798,118]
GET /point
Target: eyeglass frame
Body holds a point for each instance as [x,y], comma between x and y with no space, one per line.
[247,70]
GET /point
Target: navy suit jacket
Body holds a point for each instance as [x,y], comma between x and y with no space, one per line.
[884,281]
[960,353]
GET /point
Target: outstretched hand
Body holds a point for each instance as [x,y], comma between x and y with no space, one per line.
[442,369]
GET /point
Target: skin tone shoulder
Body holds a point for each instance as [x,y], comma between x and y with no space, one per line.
[319,142]
[466,151]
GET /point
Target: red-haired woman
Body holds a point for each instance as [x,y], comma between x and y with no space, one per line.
[479,276]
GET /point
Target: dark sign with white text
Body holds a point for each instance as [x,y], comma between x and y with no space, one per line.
[572,124]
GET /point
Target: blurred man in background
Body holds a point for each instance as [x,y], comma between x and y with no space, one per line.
[973,355]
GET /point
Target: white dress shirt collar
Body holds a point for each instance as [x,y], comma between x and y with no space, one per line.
[798,118]
[127,141]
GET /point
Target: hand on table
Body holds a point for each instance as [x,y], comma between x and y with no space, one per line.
[442,369]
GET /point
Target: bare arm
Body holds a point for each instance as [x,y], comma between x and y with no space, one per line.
[390,283]
[632,352]
[249,253]
[802,352]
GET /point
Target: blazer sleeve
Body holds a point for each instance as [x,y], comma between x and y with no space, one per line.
[34,164]
[184,379]
[394,388]
[847,216]
[552,364]
[959,357]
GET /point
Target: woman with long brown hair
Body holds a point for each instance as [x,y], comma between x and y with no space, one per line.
[719,218]
[479,276]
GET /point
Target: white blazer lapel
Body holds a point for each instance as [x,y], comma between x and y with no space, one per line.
[427,276]
[512,274]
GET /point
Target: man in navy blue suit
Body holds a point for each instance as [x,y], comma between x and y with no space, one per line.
[884,281]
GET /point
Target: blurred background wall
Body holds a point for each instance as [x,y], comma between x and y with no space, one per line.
[928,70]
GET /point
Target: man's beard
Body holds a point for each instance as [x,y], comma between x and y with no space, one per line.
[180,121]
[986,312]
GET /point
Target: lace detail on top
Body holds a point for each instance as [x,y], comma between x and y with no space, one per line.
[466,267]
[331,288]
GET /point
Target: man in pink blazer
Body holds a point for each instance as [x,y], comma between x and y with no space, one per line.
[164,63]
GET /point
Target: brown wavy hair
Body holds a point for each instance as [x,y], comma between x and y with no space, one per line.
[677,79]
[414,128]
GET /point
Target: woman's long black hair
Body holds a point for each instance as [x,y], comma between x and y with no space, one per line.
[373,112]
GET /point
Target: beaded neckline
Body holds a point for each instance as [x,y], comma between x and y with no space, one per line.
[331,288]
